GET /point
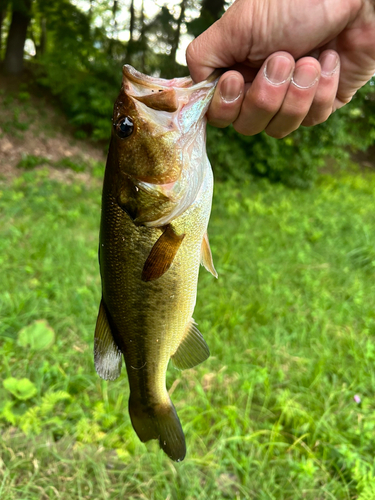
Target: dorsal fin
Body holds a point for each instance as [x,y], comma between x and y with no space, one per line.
[192,350]
[207,261]
[162,254]
[107,355]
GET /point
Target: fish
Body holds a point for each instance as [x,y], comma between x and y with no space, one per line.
[156,204]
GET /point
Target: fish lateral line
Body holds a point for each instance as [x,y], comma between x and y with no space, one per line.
[140,368]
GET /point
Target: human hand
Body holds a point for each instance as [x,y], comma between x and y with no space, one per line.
[291,62]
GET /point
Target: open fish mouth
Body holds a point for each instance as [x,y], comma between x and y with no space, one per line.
[170,95]
[138,78]
[173,107]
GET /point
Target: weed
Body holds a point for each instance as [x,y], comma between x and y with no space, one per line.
[29,162]
[77,165]
[270,415]
[23,96]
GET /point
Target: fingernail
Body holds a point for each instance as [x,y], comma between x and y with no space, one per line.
[329,63]
[305,76]
[278,70]
[230,89]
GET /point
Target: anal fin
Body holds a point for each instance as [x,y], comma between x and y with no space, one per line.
[162,254]
[192,350]
[207,261]
[107,355]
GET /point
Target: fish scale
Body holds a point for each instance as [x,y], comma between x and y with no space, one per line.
[149,266]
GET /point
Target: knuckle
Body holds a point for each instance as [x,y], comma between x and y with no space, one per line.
[315,119]
[217,123]
[296,113]
[310,122]
[217,116]
[322,101]
[277,134]
[245,130]
[189,54]
[263,103]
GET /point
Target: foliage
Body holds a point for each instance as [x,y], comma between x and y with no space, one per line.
[76,68]
[295,160]
[20,388]
[290,324]
[37,336]
[30,162]
[79,60]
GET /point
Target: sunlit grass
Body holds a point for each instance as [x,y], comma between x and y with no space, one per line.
[290,324]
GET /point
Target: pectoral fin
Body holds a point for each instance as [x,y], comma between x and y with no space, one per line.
[162,254]
[207,261]
[107,356]
[192,350]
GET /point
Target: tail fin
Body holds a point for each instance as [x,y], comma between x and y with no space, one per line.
[159,422]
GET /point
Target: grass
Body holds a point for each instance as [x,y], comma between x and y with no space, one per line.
[76,164]
[291,328]
[18,113]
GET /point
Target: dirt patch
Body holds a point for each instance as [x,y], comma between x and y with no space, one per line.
[366,159]
[31,127]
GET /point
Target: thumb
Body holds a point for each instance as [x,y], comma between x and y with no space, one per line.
[217,47]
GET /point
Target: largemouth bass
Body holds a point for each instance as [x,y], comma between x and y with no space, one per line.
[156,205]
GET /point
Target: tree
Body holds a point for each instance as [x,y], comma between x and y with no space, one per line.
[213,9]
[132,21]
[177,36]
[210,12]
[130,46]
[21,17]
[3,10]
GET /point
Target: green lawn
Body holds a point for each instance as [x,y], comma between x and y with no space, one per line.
[291,328]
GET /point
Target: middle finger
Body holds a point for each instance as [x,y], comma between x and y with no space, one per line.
[266,94]
[298,99]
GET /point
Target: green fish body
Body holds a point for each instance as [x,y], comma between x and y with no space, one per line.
[156,205]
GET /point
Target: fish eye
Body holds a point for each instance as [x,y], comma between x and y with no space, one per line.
[124,127]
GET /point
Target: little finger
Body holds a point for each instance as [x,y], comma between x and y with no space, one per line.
[322,106]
